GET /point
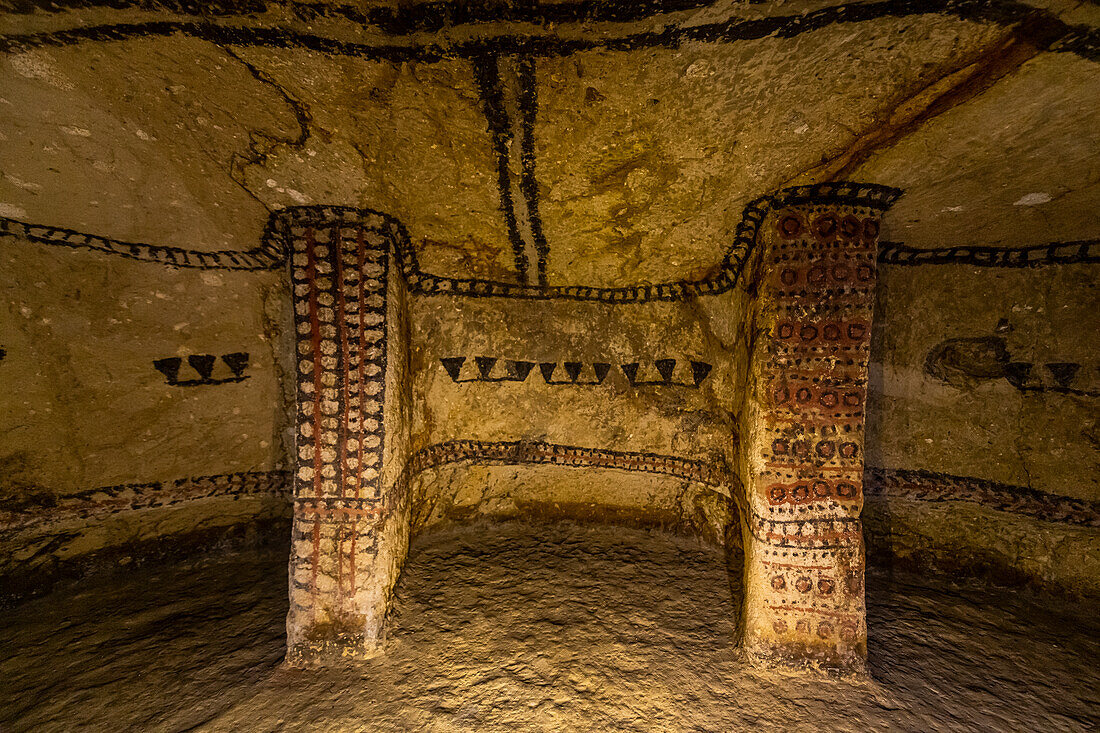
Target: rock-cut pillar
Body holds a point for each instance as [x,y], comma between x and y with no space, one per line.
[350,532]
[802,429]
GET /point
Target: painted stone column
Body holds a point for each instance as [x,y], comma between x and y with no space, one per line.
[350,532]
[802,430]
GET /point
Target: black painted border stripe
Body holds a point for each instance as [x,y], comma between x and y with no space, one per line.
[933,487]
[47,507]
[1081,40]
[178,7]
[278,233]
[529,185]
[887,483]
[401,20]
[1055,253]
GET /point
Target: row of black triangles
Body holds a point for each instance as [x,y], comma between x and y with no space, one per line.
[573,370]
[201,363]
[520,369]
[665,367]
[453,364]
[1017,372]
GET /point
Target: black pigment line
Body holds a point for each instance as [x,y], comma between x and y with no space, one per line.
[1082,40]
[487,72]
[916,485]
[1071,391]
[400,20]
[334,258]
[258,155]
[221,35]
[518,452]
[437,16]
[1055,253]
[301,113]
[127,497]
[936,487]
[179,7]
[528,107]
[265,257]
[271,253]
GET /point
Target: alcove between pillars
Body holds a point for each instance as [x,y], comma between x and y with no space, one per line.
[376,409]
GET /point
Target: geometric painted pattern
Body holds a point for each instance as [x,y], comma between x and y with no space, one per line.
[822,276]
[271,252]
[805,486]
[804,577]
[666,372]
[339,276]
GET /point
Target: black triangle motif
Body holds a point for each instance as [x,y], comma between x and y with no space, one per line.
[573,369]
[237,362]
[169,367]
[547,368]
[453,365]
[522,368]
[665,367]
[1017,372]
[485,365]
[1063,372]
[699,371]
[630,370]
[601,368]
[202,363]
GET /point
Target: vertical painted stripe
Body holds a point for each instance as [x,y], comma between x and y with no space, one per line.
[360,258]
[341,319]
[315,340]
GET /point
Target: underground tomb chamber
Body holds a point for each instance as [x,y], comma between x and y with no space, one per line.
[808,282]
[783,369]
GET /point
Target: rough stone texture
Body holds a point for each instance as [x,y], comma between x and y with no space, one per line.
[974,414]
[1003,546]
[630,141]
[1014,166]
[390,137]
[464,493]
[69,331]
[153,156]
[613,410]
[101,449]
[575,185]
[528,628]
[353,470]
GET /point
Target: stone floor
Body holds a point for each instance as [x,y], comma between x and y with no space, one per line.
[533,628]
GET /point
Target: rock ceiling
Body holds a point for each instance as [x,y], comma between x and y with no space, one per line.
[598,143]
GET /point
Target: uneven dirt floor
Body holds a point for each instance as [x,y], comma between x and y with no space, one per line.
[533,628]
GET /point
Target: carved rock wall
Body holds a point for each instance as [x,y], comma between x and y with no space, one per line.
[570,192]
[983,423]
[650,389]
[143,409]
